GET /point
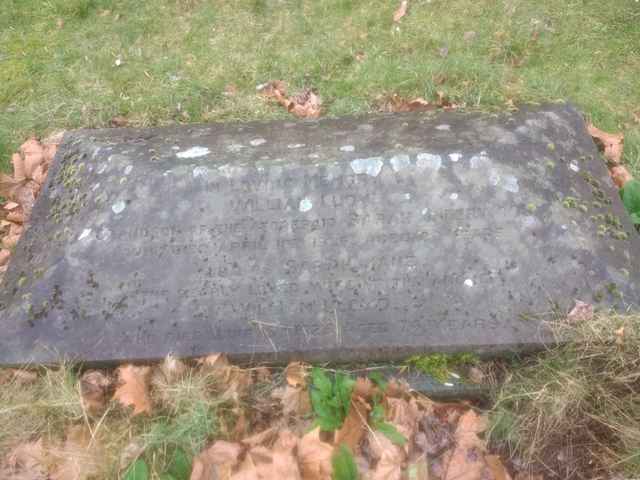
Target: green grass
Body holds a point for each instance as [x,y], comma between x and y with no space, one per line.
[178,56]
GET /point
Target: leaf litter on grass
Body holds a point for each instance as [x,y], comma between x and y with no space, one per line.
[347,427]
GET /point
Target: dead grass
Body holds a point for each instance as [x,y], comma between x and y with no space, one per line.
[574,411]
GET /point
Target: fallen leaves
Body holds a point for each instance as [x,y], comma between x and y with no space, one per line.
[304,105]
[610,144]
[30,167]
[401,11]
[394,103]
[133,388]
[95,390]
[581,312]
[387,432]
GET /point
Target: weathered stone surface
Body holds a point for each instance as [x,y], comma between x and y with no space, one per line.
[334,239]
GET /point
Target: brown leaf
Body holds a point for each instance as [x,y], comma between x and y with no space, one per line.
[620,175]
[19,171]
[405,415]
[95,390]
[476,375]
[261,438]
[10,241]
[295,401]
[16,216]
[466,461]
[296,374]
[497,468]
[395,103]
[216,462]
[354,426]
[401,11]
[26,461]
[262,375]
[390,457]
[4,259]
[305,105]
[620,336]
[11,206]
[173,368]
[611,144]
[81,457]
[119,121]
[8,187]
[315,456]
[39,175]
[33,155]
[581,312]
[230,90]
[133,388]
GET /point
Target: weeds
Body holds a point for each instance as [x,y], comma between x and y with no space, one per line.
[576,406]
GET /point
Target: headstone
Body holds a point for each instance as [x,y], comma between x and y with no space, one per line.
[338,239]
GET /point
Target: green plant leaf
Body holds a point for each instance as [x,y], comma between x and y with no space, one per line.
[630,195]
[378,379]
[138,470]
[180,466]
[330,399]
[391,432]
[344,466]
[167,476]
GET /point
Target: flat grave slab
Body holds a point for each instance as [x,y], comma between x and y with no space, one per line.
[338,239]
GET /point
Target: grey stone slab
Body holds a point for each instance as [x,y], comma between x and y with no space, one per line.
[337,239]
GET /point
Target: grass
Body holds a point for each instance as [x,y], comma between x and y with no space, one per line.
[186,417]
[575,410]
[58,59]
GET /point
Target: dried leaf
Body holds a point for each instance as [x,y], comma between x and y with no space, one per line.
[4,259]
[230,90]
[581,312]
[305,105]
[11,206]
[217,461]
[81,457]
[390,457]
[620,175]
[611,144]
[16,216]
[133,388]
[401,11]
[295,401]
[261,438]
[119,121]
[476,375]
[33,154]
[315,456]
[95,389]
[19,171]
[620,336]
[296,374]
[10,241]
[173,368]
[131,452]
[466,461]
[354,426]
[262,375]
[8,187]
[496,467]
